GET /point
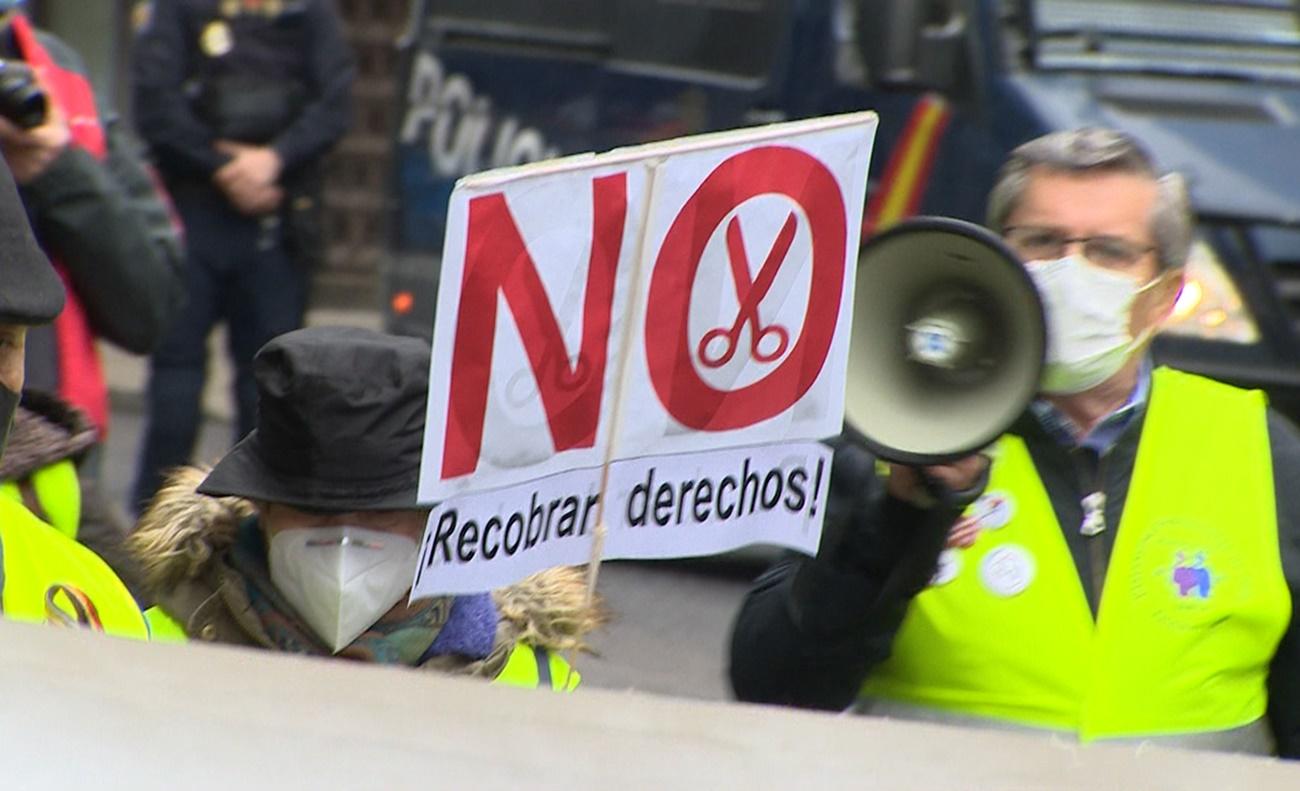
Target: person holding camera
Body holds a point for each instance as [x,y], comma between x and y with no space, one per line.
[96,210]
[238,100]
[105,224]
[1122,564]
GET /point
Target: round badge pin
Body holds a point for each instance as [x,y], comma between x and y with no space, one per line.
[1007,570]
[216,40]
[947,569]
[993,510]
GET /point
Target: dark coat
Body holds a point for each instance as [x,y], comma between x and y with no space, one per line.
[302,46]
[109,224]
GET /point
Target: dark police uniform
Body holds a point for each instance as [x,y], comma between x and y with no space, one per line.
[263,72]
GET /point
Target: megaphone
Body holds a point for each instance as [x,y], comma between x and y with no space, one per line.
[948,341]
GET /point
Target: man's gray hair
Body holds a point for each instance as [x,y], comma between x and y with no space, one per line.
[1093,150]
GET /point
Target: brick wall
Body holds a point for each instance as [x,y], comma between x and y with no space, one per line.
[357,173]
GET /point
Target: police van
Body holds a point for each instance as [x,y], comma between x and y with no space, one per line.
[1213,88]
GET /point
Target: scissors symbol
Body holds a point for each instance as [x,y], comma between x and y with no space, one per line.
[750,294]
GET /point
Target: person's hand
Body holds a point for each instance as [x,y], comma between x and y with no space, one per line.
[249,178]
[906,483]
[30,152]
[256,164]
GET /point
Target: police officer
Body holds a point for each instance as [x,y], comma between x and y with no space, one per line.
[238,101]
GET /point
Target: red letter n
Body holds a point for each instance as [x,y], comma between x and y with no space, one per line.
[497,261]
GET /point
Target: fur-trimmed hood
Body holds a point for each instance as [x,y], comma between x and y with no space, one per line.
[182,535]
[45,430]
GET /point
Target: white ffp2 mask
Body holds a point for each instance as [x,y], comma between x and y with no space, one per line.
[1088,311]
[341,580]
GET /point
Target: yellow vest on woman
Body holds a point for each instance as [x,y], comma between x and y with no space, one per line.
[50,578]
[1193,607]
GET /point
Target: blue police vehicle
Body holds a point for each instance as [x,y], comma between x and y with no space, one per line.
[1213,88]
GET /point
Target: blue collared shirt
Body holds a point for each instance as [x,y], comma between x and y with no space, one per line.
[1106,433]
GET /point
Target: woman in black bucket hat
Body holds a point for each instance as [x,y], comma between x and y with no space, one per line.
[304,537]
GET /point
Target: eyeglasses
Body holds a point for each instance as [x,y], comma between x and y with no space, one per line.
[1106,251]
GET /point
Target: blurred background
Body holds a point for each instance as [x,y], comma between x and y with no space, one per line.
[450,87]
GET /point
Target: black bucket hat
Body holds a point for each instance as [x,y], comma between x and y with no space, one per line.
[340,423]
[30,291]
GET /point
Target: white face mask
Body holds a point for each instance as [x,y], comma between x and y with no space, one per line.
[1088,313]
[341,579]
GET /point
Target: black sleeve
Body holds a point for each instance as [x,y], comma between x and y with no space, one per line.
[1284,673]
[810,629]
[179,140]
[327,115]
[108,222]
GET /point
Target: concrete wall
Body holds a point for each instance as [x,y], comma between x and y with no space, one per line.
[85,711]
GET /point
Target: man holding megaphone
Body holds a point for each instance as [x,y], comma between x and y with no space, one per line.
[1066,539]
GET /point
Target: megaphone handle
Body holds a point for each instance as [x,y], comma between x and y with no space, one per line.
[954,498]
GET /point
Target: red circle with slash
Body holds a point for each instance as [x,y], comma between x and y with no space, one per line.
[766,170]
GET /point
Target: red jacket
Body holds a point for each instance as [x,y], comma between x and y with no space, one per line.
[107,227]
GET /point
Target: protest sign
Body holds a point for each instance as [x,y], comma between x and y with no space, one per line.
[672,298]
[681,505]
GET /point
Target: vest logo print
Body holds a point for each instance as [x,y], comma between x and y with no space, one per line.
[68,605]
[1186,575]
[1192,578]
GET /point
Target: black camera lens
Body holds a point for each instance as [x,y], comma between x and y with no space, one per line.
[21,99]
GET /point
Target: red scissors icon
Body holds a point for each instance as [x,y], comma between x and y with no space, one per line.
[750,294]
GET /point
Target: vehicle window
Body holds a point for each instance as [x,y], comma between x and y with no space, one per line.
[719,40]
[541,20]
[1251,39]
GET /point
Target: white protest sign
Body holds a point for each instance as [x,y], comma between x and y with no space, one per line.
[715,273]
[657,507]
[611,310]
[741,334]
[527,325]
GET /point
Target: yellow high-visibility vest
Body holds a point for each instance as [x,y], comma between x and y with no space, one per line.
[50,578]
[58,492]
[163,628]
[1192,609]
[532,667]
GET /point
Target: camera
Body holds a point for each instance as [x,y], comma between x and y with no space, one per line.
[21,99]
